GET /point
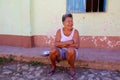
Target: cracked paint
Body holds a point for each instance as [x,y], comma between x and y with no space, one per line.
[100,41]
[109,42]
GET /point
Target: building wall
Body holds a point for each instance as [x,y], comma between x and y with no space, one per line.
[15,17]
[38,20]
[97,30]
[47,14]
[15,25]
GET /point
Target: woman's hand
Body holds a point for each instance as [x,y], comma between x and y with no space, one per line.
[70,42]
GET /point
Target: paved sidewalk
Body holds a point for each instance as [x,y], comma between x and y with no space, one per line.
[88,57]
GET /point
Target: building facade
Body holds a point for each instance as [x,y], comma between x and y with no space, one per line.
[33,23]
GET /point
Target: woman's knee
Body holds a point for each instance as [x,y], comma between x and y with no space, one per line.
[71,50]
[53,51]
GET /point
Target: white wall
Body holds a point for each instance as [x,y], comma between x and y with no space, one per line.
[15,17]
[100,24]
[46,18]
[43,17]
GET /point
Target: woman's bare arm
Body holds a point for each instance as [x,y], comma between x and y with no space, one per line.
[76,40]
[58,43]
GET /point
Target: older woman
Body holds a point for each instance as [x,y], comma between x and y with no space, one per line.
[66,44]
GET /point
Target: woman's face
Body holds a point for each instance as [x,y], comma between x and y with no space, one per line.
[68,23]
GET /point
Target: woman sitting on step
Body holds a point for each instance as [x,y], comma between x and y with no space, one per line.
[66,45]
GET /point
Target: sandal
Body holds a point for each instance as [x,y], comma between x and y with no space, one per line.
[73,75]
[58,61]
[51,72]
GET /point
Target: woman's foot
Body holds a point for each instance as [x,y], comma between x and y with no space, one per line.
[51,72]
[73,75]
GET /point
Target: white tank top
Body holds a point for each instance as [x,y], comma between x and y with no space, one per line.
[66,38]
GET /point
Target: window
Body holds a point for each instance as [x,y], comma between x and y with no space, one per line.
[82,6]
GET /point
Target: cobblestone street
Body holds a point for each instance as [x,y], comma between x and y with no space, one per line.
[26,71]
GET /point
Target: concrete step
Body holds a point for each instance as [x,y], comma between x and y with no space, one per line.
[88,57]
